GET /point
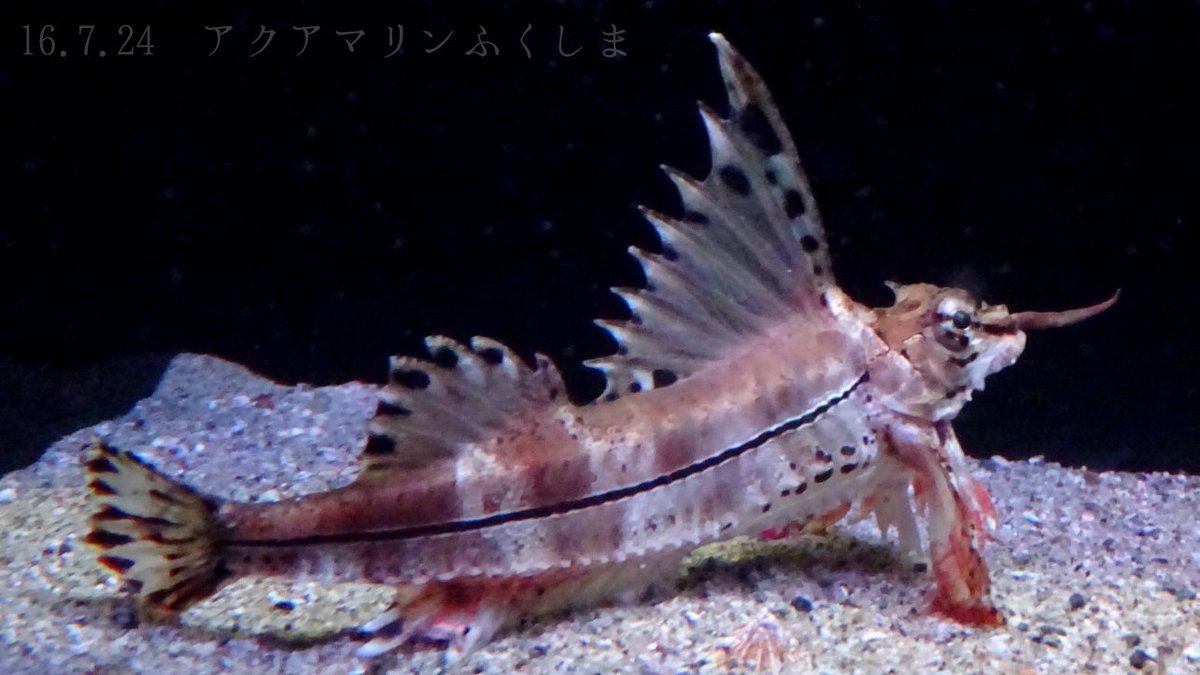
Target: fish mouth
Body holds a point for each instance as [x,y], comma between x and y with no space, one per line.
[1039,320]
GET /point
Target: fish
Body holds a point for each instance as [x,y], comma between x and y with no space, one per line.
[749,395]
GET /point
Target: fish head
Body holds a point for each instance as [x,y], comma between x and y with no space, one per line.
[954,341]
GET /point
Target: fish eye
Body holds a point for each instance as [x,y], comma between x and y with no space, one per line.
[960,319]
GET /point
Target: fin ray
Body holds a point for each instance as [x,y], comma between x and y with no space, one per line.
[749,248]
[432,409]
[158,535]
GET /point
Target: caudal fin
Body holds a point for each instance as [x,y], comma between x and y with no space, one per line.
[160,536]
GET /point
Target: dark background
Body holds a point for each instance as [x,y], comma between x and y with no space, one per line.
[309,215]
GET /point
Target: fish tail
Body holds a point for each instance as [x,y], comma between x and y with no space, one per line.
[160,536]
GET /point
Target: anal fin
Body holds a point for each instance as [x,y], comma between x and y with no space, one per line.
[460,618]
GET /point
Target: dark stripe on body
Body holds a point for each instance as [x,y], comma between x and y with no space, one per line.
[460,526]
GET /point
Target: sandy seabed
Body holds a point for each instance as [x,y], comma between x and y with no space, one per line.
[1095,572]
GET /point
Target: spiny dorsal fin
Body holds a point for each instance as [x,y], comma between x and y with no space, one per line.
[432,409]
[749,248]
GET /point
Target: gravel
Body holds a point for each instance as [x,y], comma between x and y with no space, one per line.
[1095,572]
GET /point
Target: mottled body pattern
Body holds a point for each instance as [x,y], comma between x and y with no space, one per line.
[749,395]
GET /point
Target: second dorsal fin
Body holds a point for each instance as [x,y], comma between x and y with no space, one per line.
[432,409]
[748,250]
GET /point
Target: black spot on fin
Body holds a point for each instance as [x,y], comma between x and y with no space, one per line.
[465,394]
[747,249]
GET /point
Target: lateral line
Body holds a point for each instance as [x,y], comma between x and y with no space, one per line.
[617,494]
